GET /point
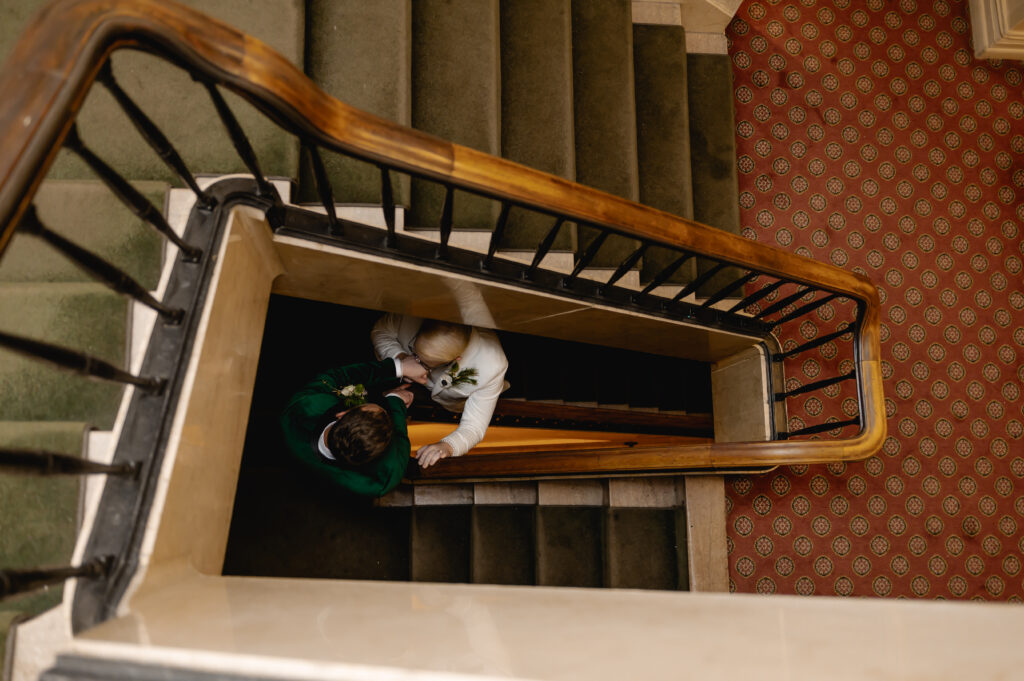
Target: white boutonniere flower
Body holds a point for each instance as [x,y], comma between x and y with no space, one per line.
[351,395]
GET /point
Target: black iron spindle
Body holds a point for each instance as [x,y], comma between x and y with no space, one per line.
[387,201]
[804,309]
[728,288]
[544,247]
[323,189]
[792,298]
[78,362]
[625,266]
[699,281]
[816,385]
[810,345]
[586,258]
[821,428]
[111,275]
[21,581]
[40,462]
[153,135]
[498,234]
[662,276]
[757,295]
[240,142]
[446,221]
[129,195]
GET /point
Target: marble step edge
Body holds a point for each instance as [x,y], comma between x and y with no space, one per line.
[627,492]
[478,241]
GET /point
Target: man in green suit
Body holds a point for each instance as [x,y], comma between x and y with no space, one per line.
[362,447]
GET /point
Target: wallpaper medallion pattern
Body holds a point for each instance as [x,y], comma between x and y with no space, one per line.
[870,137]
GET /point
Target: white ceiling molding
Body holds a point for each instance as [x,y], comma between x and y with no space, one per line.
[998,28]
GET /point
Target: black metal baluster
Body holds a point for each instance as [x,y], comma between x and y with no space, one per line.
[824,383]
[625,266]
[757,295]
[821,428]
[21,581]
[240,142]
[129,195]
[111,276]
[498,234]
[153,135]
[810,345]
[446,221]
[587,257]
[728,288]
[661,277]
[699,281]
[544,247]
[78,362]
[387,200]
[323,188]
[783,303]
[41,462]
[804,309]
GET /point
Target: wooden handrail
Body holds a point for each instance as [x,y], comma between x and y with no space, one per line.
[60,53]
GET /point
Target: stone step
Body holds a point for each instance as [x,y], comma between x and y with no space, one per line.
[361,53]
[182,109]
[440,544]
[570,550]
[663,133]
[88,214]
[642,549]
[537,104]
[456,95]
[81,316]
[604,110]
[502,541]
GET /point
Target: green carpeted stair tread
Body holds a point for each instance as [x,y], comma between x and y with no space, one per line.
[503,544]
[604,110]
[182,109]
[641,548]
[570,546]
[663,134]
[360,53]
[440,544]
[39,516]
[82,316]
[713,151]
[86,213]
[537,104]
[456,96]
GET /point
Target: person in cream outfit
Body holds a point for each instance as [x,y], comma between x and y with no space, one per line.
[465,373]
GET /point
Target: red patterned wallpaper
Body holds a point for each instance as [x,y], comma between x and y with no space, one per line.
[869,136]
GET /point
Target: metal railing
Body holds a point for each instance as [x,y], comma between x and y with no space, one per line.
[744,287]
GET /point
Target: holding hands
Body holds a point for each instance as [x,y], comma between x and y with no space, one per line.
[413,370]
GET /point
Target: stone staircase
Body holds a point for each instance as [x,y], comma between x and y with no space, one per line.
[572,88]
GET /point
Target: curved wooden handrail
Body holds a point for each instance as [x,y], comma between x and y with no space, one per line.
[58,56]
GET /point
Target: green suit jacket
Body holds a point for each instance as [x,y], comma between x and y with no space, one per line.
[312,408]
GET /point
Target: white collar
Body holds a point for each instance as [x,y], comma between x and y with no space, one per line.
[323,447]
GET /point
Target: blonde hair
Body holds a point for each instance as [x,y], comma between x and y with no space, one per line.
[441,342]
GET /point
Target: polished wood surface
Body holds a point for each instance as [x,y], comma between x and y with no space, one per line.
[53,65]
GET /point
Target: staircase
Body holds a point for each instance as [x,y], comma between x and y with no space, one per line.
[572,88]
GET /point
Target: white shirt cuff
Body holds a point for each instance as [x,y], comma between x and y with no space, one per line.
[398,367]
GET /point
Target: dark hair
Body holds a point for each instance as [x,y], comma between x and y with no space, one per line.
[360,436]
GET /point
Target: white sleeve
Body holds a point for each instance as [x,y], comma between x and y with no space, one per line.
[384,337]
[476,416]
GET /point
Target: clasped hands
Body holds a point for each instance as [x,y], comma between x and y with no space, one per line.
[413,370]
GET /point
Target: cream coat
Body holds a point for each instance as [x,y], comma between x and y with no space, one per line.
[392,335]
